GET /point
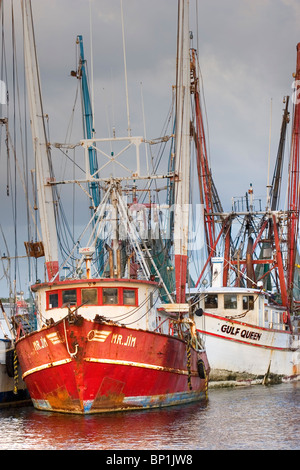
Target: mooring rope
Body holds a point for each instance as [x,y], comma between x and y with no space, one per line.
[16,376]
[188,365]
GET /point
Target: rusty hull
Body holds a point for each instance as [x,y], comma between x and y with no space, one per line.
[82,366]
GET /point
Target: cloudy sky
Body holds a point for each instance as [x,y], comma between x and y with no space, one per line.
[247,54]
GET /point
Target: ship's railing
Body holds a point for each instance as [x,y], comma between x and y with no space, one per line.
[296,325]
[26,322]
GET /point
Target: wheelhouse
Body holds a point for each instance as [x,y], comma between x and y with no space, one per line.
[121,300]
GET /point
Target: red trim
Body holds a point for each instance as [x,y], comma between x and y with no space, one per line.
[99,296]
[90,282]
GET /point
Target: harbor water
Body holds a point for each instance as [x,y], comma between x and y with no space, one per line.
[242,418]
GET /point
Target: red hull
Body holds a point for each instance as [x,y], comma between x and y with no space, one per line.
[93,366]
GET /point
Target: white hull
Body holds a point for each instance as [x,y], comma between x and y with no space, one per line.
[235,347]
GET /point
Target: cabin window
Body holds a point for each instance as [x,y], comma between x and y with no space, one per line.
[92,296]
[248,302]
[69,297]
[53,300]
[110,295]
[211,301]
[129,297]
[89,296]
[230,301]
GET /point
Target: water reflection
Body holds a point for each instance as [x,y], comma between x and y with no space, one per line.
[246,418]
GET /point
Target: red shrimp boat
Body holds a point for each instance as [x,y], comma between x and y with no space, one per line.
[116,333]
[82,365]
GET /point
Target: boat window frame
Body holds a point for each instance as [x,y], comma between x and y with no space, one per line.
[118,294]
[52,292]
[211,305]
[79,301]
[90,288]
[65,304]
[250,304]
[231,307]
[133,289]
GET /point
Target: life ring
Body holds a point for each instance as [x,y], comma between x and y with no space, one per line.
[284,317]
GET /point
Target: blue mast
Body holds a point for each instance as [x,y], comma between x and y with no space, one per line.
[89,131]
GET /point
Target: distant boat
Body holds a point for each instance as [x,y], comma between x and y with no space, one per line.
[120,339]
[13,390]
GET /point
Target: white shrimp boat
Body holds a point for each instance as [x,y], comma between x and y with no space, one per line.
[246,299]
[247,336]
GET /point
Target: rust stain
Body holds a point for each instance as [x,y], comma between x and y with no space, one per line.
[60,399]
[110,395]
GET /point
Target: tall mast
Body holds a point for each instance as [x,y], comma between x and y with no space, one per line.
[40,144]
[89,133]
[277,177]
[293,190]
[182,151]
[89,130]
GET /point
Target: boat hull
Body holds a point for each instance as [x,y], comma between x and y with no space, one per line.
[13,390]
[86,367]
[238,349]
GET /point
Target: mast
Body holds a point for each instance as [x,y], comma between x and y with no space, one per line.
[89,133]
[293,188]
[40,144]
[182,151]
[204,173]
[276,183]
[89,130]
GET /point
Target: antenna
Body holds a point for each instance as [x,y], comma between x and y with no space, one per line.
[125,71]
[144,123]
[268,182]
[92,70]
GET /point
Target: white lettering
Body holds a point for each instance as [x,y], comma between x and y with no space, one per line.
[3,93]
[118,460]
[40,344]
[296,94]
[127,341]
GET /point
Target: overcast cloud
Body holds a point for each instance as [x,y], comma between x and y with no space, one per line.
[247,53]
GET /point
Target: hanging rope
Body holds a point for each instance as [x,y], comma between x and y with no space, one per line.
[16,375]
[67,344]
[188,365]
